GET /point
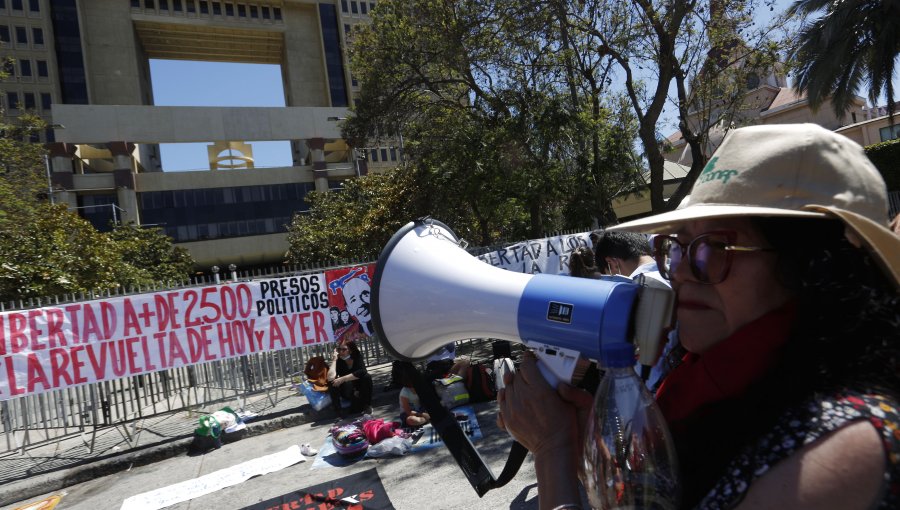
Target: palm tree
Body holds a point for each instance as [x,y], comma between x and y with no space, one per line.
[851,43]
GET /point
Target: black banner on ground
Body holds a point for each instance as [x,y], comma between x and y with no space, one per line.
[360,491]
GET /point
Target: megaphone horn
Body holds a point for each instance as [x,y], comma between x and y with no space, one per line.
[427,292]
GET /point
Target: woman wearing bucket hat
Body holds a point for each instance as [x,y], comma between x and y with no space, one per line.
[787,285]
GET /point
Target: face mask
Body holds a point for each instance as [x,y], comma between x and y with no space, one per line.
[345,358]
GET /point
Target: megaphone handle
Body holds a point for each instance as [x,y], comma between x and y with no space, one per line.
[555,363]
[548,374]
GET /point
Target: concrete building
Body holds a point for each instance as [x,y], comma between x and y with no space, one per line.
[84,65]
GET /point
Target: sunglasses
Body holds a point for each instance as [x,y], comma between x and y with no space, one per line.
[709,255]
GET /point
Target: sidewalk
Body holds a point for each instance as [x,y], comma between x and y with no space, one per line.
[68,462]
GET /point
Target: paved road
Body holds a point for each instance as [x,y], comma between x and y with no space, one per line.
[425,480]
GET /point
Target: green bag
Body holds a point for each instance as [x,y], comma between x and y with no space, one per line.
[209,426]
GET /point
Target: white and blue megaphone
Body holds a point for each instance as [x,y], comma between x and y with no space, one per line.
[428,291]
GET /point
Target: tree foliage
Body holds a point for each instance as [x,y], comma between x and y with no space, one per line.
[501,107]
[886,158]
[356,222]
[847,44]
[704,50]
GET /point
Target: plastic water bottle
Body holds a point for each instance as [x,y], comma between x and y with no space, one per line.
[629,456]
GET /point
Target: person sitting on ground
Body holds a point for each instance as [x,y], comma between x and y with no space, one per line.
[411,411]
[349,379]
[788,301]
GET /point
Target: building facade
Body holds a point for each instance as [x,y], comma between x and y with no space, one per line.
[84,66]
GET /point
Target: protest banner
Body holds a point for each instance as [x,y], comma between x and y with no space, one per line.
[549,255]
[79,343]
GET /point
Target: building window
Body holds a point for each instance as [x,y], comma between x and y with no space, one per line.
[46,101]
[217,8]
[353,7]
[2,4]
[229,9]
[191,215]
[890,132]
[371,6]
[384,155]
[98,210]
[136,3]
[265,12]
[21,36]
[42,69]
[204,7]
[17,5]
[191,8]
[277,12]
[13,99]
[343,5]
[4,34]
[37,36]
[363,8]
[148,4]
[69,58]
[164,5]
[393,154]
[176,5]
[242,11]
[34,5]
[346,30]
[334,59]
[25,68]
[254,11]
[29,100]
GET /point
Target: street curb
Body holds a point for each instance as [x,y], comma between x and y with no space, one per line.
[16,491]
[20,490]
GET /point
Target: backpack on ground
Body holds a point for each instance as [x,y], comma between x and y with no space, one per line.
[480,383]
[452,391]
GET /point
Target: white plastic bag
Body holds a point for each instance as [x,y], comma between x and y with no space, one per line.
[395,445]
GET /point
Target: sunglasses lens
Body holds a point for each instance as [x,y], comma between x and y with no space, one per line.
[709,259]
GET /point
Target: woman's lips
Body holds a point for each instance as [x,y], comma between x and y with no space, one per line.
[691,305]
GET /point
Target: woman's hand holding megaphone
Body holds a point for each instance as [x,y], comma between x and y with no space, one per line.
[549,422]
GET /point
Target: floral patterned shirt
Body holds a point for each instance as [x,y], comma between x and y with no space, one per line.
[800,427]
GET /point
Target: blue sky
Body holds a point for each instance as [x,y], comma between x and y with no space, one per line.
[190,83]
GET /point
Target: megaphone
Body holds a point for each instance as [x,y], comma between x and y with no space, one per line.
[428,291]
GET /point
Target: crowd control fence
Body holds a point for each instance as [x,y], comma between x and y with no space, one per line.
[89,409]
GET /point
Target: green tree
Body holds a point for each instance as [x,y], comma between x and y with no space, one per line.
[494,104]
[151,254]
[702,50]
[849,44]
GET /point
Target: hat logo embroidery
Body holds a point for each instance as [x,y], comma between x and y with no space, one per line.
[710,173]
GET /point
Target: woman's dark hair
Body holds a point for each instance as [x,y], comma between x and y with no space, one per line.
[581,262]
[847,332]
[351,345]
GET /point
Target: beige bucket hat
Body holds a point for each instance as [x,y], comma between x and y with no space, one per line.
[790,170]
